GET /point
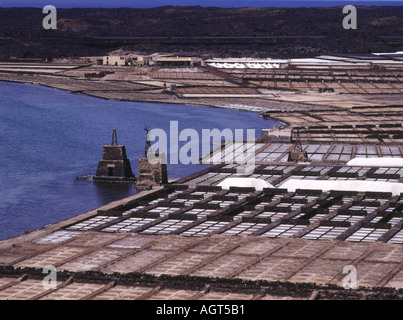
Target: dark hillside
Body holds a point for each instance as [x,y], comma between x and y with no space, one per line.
[197,30]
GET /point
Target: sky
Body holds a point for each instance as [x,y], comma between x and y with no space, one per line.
[204,3]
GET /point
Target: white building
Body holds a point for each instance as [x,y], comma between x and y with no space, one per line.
[116,60]
[246,63]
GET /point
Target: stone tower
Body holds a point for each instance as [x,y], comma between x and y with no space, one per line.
[151,174]
[114,165]
[297,154]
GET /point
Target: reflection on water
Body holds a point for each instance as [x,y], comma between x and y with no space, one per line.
[108,192]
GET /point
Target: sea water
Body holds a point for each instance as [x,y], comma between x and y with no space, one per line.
[49,137]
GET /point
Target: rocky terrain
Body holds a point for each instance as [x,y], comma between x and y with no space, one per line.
[273,32]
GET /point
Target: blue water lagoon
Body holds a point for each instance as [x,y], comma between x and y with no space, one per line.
[49,137]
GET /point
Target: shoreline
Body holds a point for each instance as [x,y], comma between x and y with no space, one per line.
[282,124]
[140,192]
[125,100]
[221,103]
[193,104]
[246,104]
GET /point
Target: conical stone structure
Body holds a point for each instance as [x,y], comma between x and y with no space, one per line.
[114,165]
